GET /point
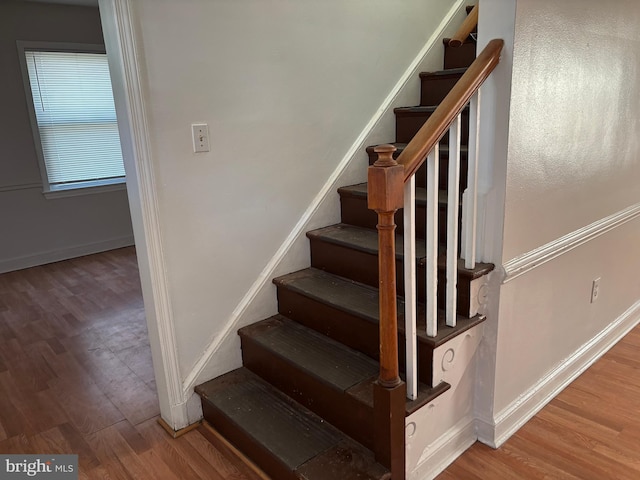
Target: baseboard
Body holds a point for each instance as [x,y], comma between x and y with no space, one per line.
[177,433]
[445,450]
[509,420]
[328,189]
[58,255]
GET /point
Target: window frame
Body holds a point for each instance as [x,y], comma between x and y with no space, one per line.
[77,188]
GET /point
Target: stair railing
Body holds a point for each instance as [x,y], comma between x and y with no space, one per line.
[391,187]
[470,22]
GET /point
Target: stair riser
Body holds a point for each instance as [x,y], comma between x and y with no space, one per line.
[337,407]
[434,88]
[245,443]
[363,267]
[354,211]
[408,124]
[459,57]
[443,171]
[349,329]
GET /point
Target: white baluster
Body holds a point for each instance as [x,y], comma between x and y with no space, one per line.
[410,299]
[432,242]
[471,194]
[453,207]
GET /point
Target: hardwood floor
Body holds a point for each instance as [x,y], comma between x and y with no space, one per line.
[590,431]
[76,375]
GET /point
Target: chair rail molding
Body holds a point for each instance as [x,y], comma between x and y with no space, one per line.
[528,261]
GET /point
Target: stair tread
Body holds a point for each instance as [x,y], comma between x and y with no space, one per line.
[416,109]
[286,429]
[361,301]
[469,39]
[453,72]
[360,190]
[326,359]
[332,362]
[443,148]
[366,240]
[289,431]
[353,297]
[364,393]
[420,110]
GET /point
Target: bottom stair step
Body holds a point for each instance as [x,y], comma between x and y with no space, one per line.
[282,437]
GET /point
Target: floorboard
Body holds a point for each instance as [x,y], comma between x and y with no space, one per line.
[76,375]
[591,430]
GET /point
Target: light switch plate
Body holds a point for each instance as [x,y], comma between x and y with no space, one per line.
[200,134]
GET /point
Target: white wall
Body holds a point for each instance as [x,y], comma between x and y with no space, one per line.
[573,162]
[286,88]
[36,230]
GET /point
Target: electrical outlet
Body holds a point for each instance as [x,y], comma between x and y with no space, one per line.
[200,134]
[595,290]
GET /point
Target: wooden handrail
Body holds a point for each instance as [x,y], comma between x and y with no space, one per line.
[385,194]
[439,122]
[465,29]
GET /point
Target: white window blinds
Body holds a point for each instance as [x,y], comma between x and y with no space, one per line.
[76,116]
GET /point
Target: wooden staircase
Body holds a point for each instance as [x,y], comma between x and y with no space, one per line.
[302,405]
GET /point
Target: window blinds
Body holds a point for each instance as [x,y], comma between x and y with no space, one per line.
[76,116]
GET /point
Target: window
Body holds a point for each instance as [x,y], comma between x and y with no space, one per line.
[73,118]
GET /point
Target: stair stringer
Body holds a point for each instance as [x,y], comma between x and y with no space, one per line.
[440,431]
[259,301]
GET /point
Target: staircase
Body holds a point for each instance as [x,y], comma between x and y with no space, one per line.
[302,405]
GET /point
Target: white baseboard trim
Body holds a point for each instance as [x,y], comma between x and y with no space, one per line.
[51,256]
[509,420]
[445,450]
[545,253]
[328,189]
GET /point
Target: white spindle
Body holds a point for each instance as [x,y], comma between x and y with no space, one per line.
[453,206]
[410,299]
[431,232]
[471,194]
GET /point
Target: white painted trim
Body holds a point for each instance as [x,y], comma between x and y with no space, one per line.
[541,255]
[509,420]
[126,56]
[85,188]
[328,189]
[445,450]
[66,253]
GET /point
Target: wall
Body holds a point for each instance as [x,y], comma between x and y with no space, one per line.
[36,230]
[286,87]
[572,202]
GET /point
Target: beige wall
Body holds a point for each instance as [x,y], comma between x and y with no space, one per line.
[286,87]
[572,159]
[575,117]
[34,229]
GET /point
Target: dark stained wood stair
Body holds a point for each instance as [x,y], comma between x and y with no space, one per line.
[302,405]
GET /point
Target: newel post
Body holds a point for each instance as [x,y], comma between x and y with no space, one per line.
[386,196]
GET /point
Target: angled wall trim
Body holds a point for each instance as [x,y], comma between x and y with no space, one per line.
[122,50]
[358,145]
[545,253]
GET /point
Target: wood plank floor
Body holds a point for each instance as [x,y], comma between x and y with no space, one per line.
[591,430]
[76,374]
[76,377]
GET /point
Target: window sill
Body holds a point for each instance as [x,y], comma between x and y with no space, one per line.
[85,188]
